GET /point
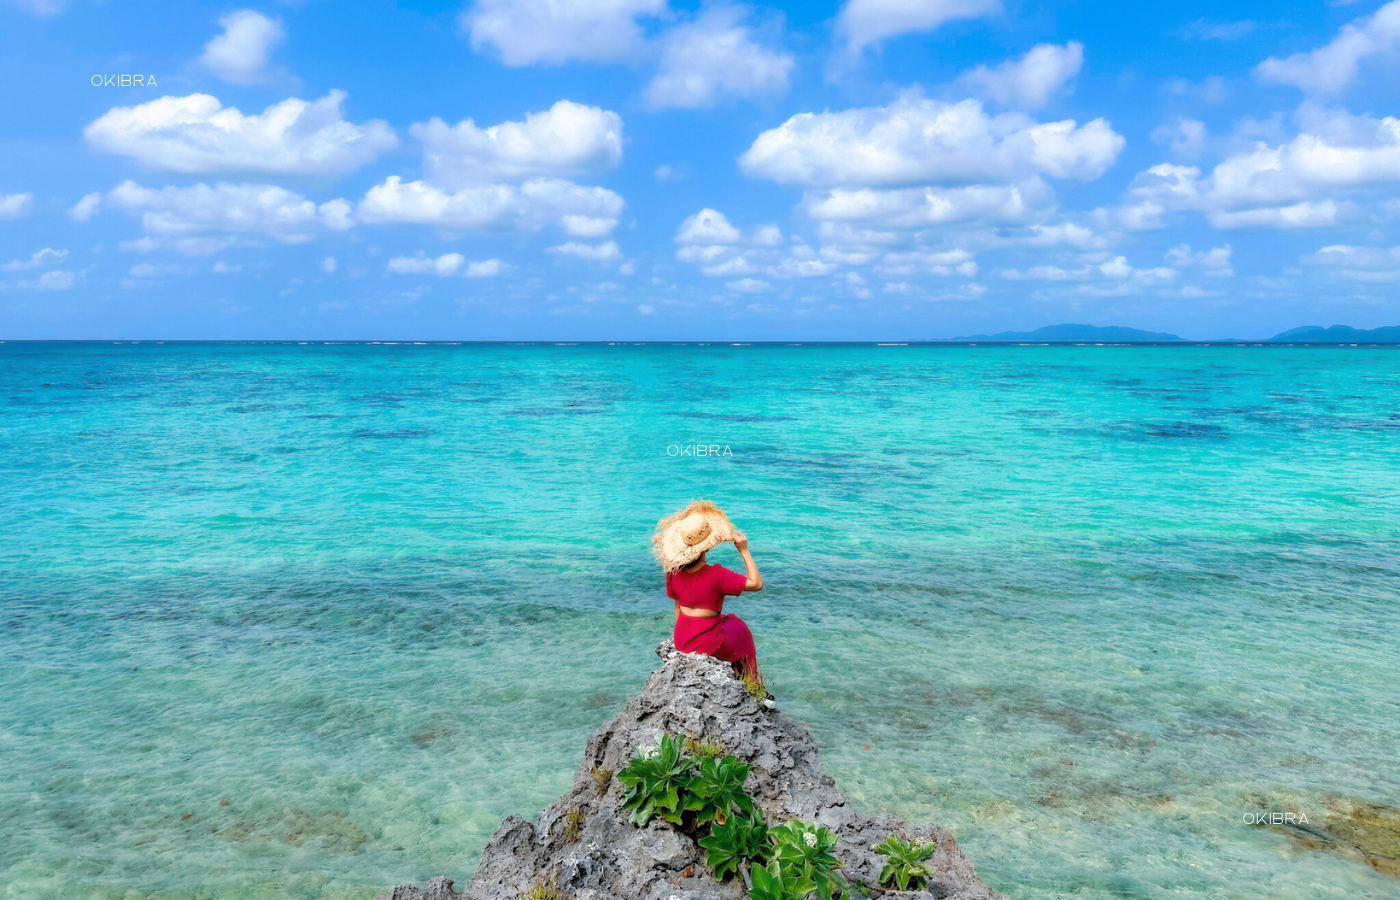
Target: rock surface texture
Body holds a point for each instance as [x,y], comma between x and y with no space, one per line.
[608,857]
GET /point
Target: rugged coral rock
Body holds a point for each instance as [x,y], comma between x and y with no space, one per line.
[1351,828]
[585,846]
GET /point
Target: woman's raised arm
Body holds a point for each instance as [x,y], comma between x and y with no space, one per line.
[755,582]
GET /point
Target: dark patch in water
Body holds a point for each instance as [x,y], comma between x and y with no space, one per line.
[730,417]
[1339,423]
[385,401]
[396,433]
[180,490]
[1101,799]
[331,829]
[1188,430]
[534,614]
[568,409]
[1101,726]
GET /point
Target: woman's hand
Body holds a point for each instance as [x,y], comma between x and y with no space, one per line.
[741,543]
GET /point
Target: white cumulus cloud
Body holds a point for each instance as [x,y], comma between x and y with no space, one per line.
[864,22]
[1374,264]
[917,139]
[505,176]
[1214,262]
[12,206]
[197,134]
[1113,277]
[579,210]
[37,260]
[240,55]
[908,188]
[708,226]
[1069,234]
[1186,138]
[606,253]
[485,268]
[719,249]
[443,266]
[56,280]
[1309,181]
[1333,67]
[1031,81]
[86,208]
[709,240]
[524,32]
[184,217]
[1307,214]
[925,206]
[566,139]
[749,285]
[1355,257]
[715,58]
[52,280]
[932,262]
[1342,151]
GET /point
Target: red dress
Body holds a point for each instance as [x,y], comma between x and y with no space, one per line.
[724,636]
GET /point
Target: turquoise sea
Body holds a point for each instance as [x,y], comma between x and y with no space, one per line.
[305,621]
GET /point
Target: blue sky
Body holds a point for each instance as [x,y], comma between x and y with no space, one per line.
[638,169]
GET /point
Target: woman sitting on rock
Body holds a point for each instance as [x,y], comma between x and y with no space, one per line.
[699,588]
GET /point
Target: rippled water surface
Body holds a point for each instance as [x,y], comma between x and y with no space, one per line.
[307,621]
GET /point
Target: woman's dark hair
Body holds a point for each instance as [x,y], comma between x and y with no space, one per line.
[694,561]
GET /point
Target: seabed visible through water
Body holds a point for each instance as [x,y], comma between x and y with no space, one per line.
[307,621]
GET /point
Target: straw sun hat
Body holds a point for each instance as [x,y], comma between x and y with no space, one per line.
[682,537]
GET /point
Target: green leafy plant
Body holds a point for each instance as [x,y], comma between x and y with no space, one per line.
[703,749]
[716,789]
[741,839]
[573,824]
[774,882]
[655,779]
[904,862]
[793,861]
[542,889]
[804,852]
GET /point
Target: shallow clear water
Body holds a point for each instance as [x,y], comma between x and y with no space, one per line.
[307,621]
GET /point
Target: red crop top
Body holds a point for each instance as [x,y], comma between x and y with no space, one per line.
[704,589]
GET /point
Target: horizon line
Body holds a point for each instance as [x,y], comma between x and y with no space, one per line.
[1182,342]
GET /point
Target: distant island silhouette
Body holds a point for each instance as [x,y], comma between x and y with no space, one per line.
[1074,333]
[1306,334]
[1340,334]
